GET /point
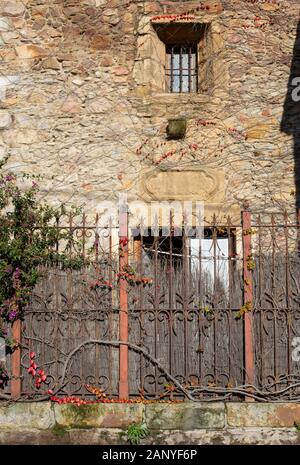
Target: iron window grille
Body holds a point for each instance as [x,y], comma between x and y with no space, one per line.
[182,69]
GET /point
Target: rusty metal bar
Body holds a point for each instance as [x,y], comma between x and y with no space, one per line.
[248,299]
[180,69]
[231,252]
[171,296]
[110,315]
[288,292]
[156,305]
[215,302]
[84,236]
[273,279]
[186,295]
[200,303]
[138,260]
[260,297]
[96,242]
[172,69]
[97,328]
[123,316]
[16,385]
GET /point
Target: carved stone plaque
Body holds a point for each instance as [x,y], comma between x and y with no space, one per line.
[202,184]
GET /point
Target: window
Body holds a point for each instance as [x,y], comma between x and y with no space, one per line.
[203,270]
[180,54]
[212,255]
[182,68]
[208,257]
[182,48]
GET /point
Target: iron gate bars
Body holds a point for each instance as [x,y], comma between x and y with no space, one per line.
[216,313]
[182,68]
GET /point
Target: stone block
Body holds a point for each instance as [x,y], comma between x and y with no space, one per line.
[108,436]
[9,37]
[259,131]
[5,119]
[5,25]
[30,51]
[99,436]
[186,416]
[71,105]
[17,138]
[12,7]
[270,415]
[98,415]
[38,415]
[51,63]
[98,105]
[120,71]
[100,42]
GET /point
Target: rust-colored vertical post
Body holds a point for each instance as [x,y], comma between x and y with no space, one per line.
[137,252]
[123,318]
[16,361]
[248,298]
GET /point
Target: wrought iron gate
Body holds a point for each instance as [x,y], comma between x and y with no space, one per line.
[166,315]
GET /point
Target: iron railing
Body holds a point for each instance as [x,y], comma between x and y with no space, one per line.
[165,315]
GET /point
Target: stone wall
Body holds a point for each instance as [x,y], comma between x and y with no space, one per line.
[77,101]
[187,423]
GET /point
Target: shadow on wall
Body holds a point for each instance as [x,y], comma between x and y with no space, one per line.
[290,123]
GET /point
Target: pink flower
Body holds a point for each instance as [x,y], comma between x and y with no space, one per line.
[12,315]
[10,177]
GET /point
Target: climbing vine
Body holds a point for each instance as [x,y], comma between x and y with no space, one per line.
[28,238]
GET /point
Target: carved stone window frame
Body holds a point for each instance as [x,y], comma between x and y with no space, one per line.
[150,62]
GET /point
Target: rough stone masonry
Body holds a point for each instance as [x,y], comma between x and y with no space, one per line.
[187,423]
[81,100]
